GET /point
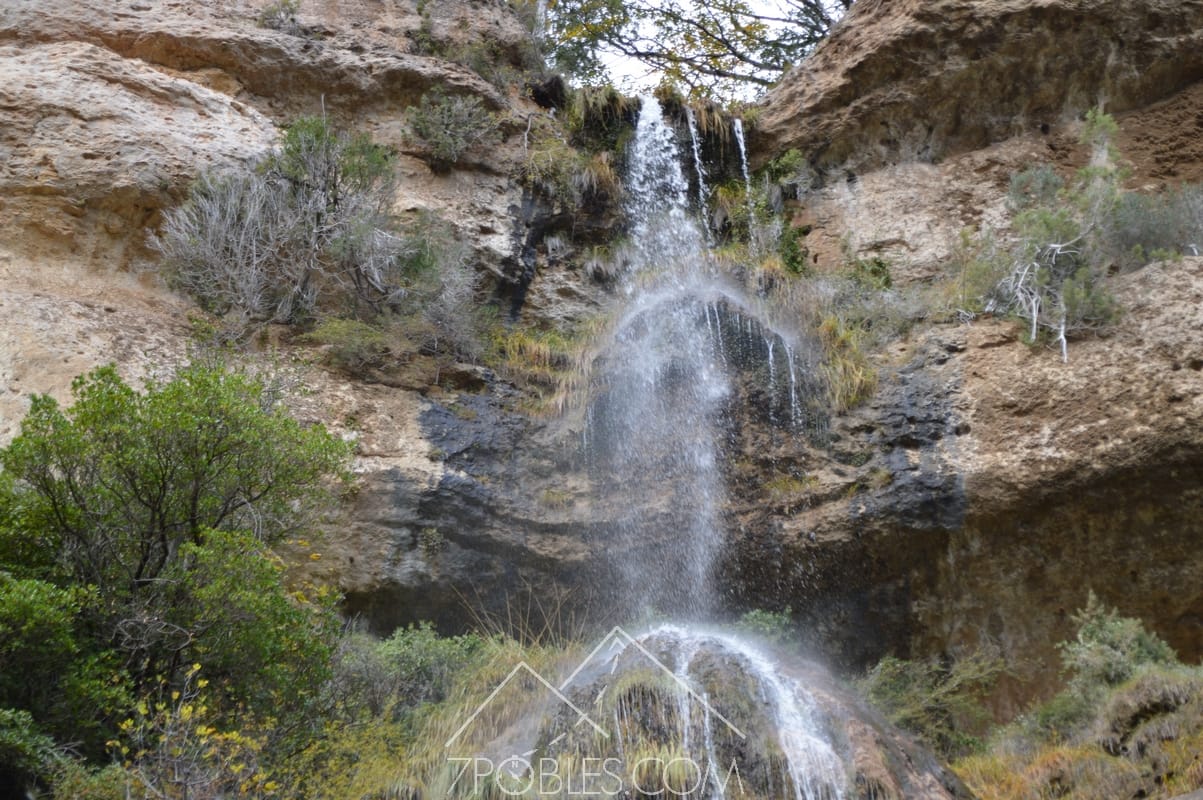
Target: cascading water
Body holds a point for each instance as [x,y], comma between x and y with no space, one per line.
[665,382]
[742,144]
[699,167]
[681,709]
[655,432]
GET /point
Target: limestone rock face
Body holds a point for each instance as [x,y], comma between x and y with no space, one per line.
[902,80]
[998,486]
[351,57]
[94,144]
[147,94]
[108,110]
[987,487]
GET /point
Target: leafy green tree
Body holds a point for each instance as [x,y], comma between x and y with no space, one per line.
[115,484]
[113,491]
[254,637]
[49,668]
[450,127]
[719,48]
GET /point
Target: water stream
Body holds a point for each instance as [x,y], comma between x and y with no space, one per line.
[684,342]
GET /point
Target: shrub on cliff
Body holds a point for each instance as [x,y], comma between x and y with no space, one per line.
[939,701]
[308,226]
[1128,724]
[451,127]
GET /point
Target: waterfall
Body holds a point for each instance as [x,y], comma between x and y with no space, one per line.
[665,388]
[738,124]
[684,341]
[655,424]
[698,166]
[811,767]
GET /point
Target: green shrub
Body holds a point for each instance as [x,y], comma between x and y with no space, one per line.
[353,346]
[1109,648]
[1057,720]
[123,487]
[1143,228]
[871,273]
[941,702]
[281,15]
[1130,723]
[25,752]
[773,626]
[309,226]
[1035,186]
[450,127]
[794,254]
[1069,237]
[423,665]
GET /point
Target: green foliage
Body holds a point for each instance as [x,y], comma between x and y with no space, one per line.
[791,171]
[1054,275]
[132,502]
[267,647]
[1058,719]
[724,48]
[978,265]
[25,752]
[353,346]
[1143,228]
[449,127]
[74,780]
[423,665]
[281,15]
[394,677]
[1108,648]
[871,273]
[794,254]
[561,172]
[1130,723]
[308,227]
[37,637]
[939,702]
[773,626]
[1099,128]
[848,372]
[1035,186]
[601,119]
[117,482]
[1067,238]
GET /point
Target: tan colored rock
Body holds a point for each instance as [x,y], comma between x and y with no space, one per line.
[94,145]
[60,321]
[998,486]
[1081,477]
[911,214]
[108,111]
[345,66]
[902,80]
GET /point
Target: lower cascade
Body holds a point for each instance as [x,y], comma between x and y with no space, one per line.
[737,724]
[685,708]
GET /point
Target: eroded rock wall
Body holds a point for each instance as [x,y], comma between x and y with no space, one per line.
[918,80]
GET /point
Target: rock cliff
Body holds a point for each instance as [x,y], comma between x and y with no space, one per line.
[913,80]
[978,495]
[998,485]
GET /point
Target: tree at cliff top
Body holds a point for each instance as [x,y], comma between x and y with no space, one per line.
[720,48]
